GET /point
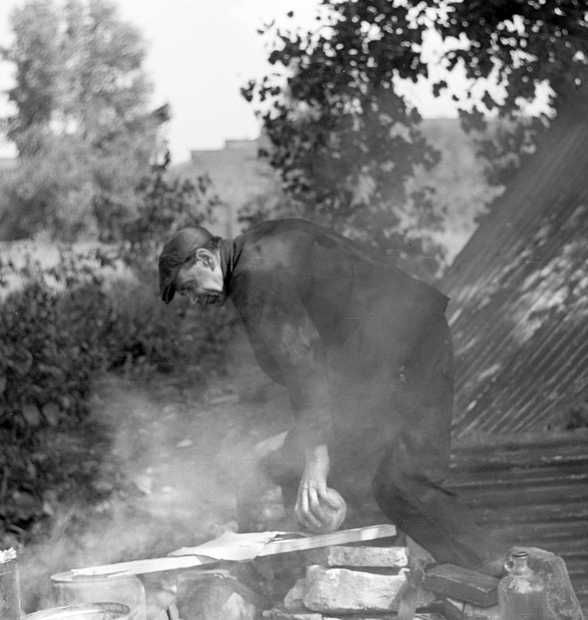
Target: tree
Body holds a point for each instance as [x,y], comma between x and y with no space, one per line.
[81,123]
[517,44]
[520,47]
[344,141]
[344,138]
[36,56]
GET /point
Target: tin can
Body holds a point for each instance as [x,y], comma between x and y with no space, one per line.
[10,608]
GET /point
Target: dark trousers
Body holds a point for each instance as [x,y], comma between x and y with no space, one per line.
[391,444]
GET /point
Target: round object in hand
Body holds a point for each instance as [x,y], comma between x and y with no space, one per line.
[331,516]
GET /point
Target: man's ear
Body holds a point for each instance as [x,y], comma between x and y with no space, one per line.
[205,257]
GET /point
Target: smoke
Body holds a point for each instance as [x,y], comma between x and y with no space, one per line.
[169,477]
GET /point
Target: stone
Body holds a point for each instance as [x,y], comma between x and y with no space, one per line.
[340,590]
[360,557]
[462,584]
[294,599]
[418,557]
[471,612]
[362,617]
[284,614]
[215,595]
[277,574]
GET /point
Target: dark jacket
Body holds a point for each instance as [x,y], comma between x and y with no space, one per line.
[321,312]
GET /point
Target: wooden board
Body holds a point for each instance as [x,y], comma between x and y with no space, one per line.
[239,547]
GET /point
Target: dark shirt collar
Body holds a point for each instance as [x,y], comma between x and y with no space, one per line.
[229,254]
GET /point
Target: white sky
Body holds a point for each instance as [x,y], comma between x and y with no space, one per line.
[200,53]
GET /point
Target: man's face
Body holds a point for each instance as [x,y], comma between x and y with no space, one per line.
[200,278]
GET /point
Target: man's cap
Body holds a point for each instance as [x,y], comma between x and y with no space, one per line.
[175,253]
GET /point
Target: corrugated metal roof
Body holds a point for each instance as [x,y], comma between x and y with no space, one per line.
[519,289]
[519,317]
[533,489]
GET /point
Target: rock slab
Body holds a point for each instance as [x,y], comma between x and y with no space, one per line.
[362,617]
[472,612]
[340,590]
[294,599]
[462,584]
[284,614]
[360,557]
[215,596]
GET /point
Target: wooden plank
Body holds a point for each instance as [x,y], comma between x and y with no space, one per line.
[142,567]
[549,530]
[481,444]
[284,543]
[501,459]
[533,513]
[562,493]
[518,476]
[342,537]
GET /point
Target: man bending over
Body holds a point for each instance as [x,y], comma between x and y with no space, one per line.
[365,353]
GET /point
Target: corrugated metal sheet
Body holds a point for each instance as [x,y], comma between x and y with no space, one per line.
[533,489]
[519,289]
[519,316]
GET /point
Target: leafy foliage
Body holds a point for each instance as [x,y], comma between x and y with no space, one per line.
[519,45]
[86,143]
[164,205]
[347,142]
[344,141]
[93,311]
[81,122]
[78,71]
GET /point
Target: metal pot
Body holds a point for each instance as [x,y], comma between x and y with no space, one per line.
[94,611]
[72,589]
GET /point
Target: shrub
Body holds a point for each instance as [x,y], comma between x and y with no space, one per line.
[89,312]
[60,328]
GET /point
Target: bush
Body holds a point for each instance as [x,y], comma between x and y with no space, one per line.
[145,335]
[60,328]
[65,322]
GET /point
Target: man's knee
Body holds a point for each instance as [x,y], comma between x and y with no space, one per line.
[407,464]
[390,481]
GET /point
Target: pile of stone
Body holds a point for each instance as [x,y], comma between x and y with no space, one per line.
[354,582]
[359,581]
[345,582]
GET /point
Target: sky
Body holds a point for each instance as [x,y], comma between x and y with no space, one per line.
[200,53]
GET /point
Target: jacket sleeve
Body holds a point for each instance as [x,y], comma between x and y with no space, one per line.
[283,334]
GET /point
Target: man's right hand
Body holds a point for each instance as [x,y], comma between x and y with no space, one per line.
[312,490]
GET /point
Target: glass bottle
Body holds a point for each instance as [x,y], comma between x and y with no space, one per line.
[120,588]
[521,593]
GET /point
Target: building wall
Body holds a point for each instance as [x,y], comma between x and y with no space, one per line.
[239,176]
